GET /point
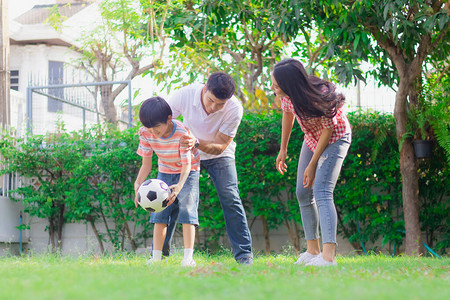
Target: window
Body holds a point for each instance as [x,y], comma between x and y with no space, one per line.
[55,76]
[14,80]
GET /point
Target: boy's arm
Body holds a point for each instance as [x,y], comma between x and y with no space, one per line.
[145,169]
[185,170]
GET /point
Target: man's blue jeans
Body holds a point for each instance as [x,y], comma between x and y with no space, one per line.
[224,176]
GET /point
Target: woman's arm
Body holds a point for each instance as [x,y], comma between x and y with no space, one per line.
[310,171]
[286,128]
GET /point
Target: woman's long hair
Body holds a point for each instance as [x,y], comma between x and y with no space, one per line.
[311,96]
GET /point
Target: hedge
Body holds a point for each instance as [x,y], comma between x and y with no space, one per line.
[88,177]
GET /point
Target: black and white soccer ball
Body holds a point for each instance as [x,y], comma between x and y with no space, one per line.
[153,194]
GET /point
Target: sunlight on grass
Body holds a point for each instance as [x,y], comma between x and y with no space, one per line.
[220,277]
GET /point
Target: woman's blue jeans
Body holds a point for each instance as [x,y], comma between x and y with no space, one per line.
[316,203]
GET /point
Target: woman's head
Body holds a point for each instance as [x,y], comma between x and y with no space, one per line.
[310,96]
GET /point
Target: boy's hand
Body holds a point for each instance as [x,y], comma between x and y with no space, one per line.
[136,200]
[136,188]
[174,191]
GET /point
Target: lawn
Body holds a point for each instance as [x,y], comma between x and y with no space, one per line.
[219,277]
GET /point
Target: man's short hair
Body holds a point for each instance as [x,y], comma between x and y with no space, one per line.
[221,85]
[154,111]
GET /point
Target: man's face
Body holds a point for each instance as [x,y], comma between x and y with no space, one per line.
[211,104]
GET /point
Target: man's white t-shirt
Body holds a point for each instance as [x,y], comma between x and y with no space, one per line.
[186,101]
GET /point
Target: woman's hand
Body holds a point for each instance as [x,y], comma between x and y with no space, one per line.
[280,163]
[309,175]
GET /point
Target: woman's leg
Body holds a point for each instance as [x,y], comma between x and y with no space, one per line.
[327,173]
[308,207]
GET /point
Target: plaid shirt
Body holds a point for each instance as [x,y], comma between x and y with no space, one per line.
[312,128]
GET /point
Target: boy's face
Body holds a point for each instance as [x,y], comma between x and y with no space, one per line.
[162,130]
[211,103]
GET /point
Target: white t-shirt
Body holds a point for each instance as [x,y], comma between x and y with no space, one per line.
[186,101]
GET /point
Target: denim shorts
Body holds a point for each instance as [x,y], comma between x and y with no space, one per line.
[186,202]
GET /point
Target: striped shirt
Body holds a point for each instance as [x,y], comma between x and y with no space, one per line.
[313,127]
[171,156]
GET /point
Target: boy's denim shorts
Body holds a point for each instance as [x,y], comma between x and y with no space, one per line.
[187,200]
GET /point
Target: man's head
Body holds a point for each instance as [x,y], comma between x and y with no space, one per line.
[219,88]
[156,115]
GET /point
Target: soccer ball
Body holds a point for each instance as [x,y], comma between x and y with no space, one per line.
[152,195]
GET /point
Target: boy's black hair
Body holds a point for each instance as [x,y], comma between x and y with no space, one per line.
[154,111]
[221,85]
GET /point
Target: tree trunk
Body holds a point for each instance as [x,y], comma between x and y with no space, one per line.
[266,234]
[408,170]
[108,104]
[60,226]
[293,234]
[97,235]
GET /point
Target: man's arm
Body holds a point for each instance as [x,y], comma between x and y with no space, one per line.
[216,147]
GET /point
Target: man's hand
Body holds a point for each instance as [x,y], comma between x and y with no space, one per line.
[188,141]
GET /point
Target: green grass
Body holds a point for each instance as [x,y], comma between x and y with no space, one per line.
[219,277]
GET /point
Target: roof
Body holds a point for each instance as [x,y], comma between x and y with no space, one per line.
[39,13]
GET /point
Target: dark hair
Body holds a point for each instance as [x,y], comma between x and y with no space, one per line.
[154,111]
[221,85]
[311,96]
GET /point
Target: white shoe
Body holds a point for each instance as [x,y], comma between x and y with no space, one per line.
[320,262]
[188,263]
[151,261]
[305,258]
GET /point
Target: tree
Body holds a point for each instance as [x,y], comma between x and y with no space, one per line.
[398,37]
[120,43]
[242,38]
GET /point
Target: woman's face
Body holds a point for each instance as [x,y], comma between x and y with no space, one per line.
[274,87]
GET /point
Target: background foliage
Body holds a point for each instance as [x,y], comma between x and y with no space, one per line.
[88,177]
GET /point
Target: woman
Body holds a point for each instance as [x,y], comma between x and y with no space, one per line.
[318,110]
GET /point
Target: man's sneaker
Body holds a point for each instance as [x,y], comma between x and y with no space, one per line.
[247,261]
[306,257]
[320,262]
[188,263]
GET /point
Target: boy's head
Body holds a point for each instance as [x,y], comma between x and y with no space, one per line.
[154,111]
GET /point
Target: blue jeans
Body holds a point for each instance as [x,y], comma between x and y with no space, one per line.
[224,176]
[187,200]
[316,203]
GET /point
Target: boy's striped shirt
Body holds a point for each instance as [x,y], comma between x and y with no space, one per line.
[171,156]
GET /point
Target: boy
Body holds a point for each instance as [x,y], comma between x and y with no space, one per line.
[177,166]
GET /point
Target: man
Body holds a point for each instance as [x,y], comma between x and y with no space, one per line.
[213,114]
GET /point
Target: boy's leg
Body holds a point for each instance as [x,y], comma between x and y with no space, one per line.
[173,215]
[159,233]
[223,173]
[188,215]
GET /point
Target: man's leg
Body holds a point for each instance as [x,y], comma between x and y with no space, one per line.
[223,173]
